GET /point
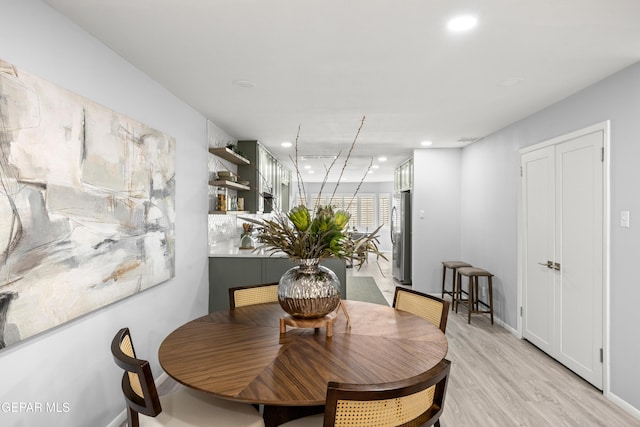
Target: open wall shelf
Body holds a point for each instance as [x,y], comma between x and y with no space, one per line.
[230,185]
[230,155]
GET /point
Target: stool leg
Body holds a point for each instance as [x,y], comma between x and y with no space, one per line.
[476,293]
[470,298]
[453,280]
[444,275]
[458,292]
[489,281]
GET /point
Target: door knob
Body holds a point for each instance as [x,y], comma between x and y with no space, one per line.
[556,266]
[549,264]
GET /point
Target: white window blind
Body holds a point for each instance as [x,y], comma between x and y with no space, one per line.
[367,210]
[301,200]
[362,208]
[315,202]
[384,209]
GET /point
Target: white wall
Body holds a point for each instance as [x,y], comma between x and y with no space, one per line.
[436,234]
[72,364]
[490,179]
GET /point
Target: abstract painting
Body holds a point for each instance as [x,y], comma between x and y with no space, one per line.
[87,206]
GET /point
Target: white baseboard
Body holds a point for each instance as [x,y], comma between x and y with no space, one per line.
[119,420]
[162,378]
[624,405]
[506,326]
[122,416]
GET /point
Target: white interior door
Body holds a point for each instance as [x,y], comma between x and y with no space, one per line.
[579,251]
[538,317]
[562,250]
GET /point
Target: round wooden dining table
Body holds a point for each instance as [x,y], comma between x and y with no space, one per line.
[241,355]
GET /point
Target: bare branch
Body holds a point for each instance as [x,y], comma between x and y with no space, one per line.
[346,160]
[301,193]
[324,181]
[360,184]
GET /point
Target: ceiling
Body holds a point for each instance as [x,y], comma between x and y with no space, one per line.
[321,66]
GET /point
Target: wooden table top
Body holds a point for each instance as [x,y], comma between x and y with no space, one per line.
[241,355]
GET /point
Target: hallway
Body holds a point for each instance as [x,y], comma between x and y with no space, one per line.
[502,381]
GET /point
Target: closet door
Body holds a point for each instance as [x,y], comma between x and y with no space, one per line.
[579,252]
[538,317]
[562,276]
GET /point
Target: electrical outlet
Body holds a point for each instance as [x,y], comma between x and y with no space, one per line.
[624,219]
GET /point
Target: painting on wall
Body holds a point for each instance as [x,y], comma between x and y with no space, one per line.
[87,206]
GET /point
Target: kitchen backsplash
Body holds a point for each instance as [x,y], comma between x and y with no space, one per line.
[227,227]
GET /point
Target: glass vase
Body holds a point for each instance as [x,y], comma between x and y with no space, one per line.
[309,290]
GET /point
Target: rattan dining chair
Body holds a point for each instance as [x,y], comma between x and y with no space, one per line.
[429,307]
[256,294]
[417,401]
[185,407]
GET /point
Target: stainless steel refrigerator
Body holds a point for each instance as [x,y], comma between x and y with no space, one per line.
[401,237]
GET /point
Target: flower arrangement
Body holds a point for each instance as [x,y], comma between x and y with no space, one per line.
[319,233]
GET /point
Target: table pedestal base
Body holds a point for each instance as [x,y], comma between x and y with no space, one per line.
[276,415]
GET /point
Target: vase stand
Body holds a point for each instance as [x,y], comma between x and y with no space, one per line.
[298,322]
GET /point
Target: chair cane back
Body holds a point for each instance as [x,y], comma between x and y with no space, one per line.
[249,295]
[417,401]
[429,307]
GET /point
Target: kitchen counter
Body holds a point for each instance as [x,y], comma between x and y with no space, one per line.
[230,266]
[231,248]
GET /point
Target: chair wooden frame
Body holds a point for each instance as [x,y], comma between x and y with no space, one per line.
[442,324]
[258,294]
[435,377]
[182,407]
[140,371]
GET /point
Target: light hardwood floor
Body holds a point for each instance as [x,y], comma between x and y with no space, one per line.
[499,380]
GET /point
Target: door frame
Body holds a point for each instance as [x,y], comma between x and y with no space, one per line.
[606,226]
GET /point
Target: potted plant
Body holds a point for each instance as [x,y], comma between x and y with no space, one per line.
[307,236]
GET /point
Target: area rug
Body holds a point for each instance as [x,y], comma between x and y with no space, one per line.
[364,288]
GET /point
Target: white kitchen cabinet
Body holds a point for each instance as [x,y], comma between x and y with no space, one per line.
[268,190]
[403,176]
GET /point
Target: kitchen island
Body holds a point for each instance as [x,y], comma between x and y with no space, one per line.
[230,266]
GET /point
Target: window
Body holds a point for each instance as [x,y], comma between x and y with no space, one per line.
[301,200]
[362,208]
[384,207]
[367,210]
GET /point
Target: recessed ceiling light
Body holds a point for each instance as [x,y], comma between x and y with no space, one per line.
[382,159]
[244,83]
[462,23]
[426,143]
[307,166]
[375,166]
[370,171]
[286,144]
[311,171]
[513,81]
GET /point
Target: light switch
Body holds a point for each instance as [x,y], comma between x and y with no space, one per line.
[421,214]
[624,219]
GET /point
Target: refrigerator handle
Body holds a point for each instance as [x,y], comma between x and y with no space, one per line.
[393,221]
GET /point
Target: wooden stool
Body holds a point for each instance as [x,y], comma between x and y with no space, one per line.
[473,300]
[453,265]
